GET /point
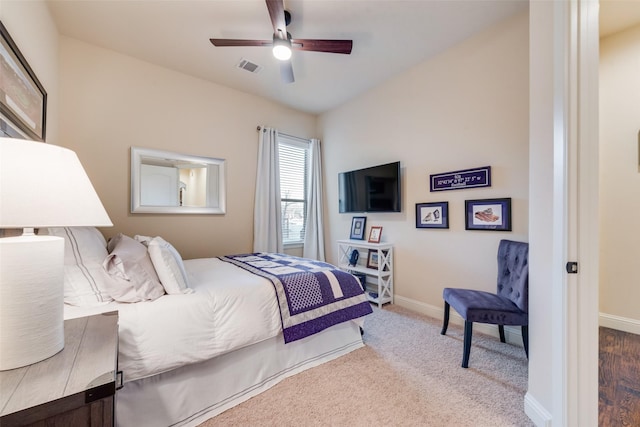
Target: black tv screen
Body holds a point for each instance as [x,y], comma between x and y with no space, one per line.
[374,189]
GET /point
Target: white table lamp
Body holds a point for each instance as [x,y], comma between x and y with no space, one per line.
[41,185]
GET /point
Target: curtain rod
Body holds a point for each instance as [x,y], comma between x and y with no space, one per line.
[261,128]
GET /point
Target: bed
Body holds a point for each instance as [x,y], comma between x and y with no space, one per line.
[192,349]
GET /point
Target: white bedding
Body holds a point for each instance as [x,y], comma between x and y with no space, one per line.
[230,309]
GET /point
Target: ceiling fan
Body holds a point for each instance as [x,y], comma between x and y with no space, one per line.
[282,42]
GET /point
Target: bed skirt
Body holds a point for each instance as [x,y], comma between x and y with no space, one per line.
[192,394]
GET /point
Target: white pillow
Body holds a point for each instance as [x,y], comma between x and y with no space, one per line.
[169,266]
[85,281]
[133,276]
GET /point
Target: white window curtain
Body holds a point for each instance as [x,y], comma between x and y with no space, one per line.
[267,223]
[314,237]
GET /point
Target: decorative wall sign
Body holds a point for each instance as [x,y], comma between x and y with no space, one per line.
[467,178]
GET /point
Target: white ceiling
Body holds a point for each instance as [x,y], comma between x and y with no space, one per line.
[389,36]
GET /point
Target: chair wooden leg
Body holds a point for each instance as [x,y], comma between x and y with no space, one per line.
[445,323]
[468,329]
[501,330]
[525,339]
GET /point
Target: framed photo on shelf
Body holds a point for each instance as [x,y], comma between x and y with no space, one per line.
[432,215]
[488,214]
[374,234]
[357,227]
[23,100]
[372,258]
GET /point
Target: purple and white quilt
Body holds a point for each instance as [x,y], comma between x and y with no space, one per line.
[312,295]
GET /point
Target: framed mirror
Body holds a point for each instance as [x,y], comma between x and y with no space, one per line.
[173,183]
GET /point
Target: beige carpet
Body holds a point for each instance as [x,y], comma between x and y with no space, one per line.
[407,375]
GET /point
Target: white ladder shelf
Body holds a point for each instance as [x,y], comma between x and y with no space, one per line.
[376,263]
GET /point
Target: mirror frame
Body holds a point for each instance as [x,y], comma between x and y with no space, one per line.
[136,161]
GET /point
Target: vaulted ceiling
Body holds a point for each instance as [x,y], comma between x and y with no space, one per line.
[389,36]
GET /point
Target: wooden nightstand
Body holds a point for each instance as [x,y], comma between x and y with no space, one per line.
[75,387]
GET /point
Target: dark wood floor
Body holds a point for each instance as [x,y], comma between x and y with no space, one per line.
[619,372]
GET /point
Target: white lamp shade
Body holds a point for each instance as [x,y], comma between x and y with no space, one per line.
[44,185]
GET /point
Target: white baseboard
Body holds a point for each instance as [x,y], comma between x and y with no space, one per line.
[620,323]
[606,320]
[536,412]
[513,334]
[421,307]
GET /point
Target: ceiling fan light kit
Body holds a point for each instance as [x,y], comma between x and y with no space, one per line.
[282,44]
[281,49]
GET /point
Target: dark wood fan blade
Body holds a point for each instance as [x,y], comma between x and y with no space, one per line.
[276,12]
[330,46]
[239,42]
[286,71]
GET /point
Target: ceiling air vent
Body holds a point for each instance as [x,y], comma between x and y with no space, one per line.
[249,66]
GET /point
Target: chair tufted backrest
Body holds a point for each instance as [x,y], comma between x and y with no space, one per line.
[513,272]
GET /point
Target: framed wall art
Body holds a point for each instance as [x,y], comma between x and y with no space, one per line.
[357,227]
[9,130]
[488,214]
[23,100]
[432,215]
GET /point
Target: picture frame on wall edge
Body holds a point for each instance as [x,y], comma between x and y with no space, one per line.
[23,104]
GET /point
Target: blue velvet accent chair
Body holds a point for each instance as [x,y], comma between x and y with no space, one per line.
[508,306]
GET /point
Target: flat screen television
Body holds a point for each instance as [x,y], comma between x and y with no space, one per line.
[374,189]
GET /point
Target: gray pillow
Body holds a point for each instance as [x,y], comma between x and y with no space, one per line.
[133,277]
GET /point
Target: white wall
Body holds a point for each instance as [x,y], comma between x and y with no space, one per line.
[620,179]
[465,108]
[38,43]
[110,102]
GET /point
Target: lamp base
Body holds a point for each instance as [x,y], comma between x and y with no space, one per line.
[31,299]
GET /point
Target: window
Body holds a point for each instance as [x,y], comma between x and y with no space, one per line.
[294,167]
